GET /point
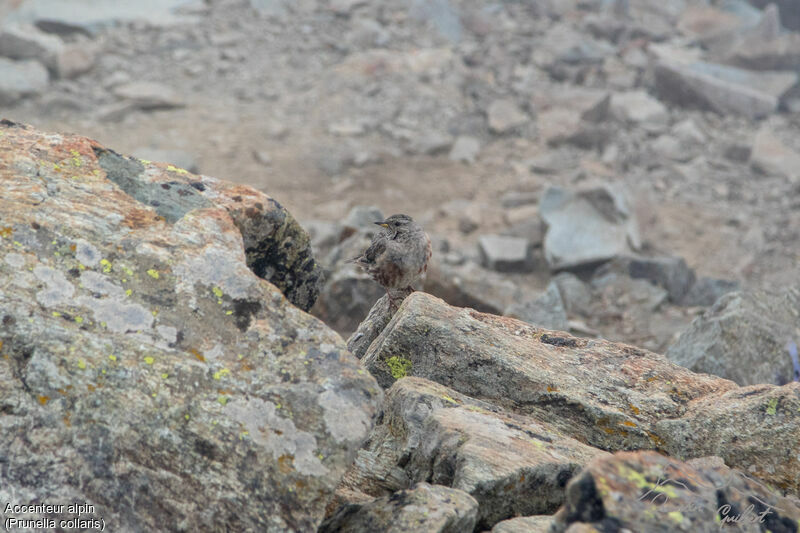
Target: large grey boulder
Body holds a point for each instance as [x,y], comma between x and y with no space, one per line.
[146,370]
[743,337]
[587,226]
[510,464]
[90,16]
[609,395]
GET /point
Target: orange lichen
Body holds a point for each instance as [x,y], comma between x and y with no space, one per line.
[286,463]
[197,354]
[44,399]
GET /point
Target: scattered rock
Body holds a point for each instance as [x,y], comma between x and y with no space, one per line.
[149,95]
[422,507]
[765,46]
[670,273]
[19,79]
[770,156]
[505,254]
[361,218]
[706,291]
[720,88]
[742,338]
[587,226]
[640,108]
[465,149]
[611,396]
[546,311]
[513,199]
[262,157]
[561,125]
[646,491]
[576,295]
[179,392]
[788,12]
[75,59]
[504,116]
[619,293]
[431,143]
[324,235]
[348,292]
[27,42]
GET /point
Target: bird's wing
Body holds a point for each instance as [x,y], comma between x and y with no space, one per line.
[375,249]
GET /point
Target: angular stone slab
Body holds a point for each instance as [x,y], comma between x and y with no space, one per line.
[511,464]
[609,395]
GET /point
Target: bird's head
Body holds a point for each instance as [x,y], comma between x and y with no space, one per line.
[398,224]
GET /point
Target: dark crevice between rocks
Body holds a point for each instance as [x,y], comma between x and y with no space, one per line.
[555,340]
[11,123]
[587,506]
[275,252]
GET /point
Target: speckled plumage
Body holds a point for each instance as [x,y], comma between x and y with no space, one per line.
[397,256]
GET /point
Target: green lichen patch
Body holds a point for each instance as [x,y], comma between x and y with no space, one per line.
[772,406]
[398,366]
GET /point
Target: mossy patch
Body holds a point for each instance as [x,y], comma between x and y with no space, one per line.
[398,366]
[772,406]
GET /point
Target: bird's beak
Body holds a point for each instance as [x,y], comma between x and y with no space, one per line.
[382,224]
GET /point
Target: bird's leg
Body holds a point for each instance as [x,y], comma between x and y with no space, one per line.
[391,300]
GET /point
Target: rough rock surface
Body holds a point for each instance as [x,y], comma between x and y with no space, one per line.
[145,368]
[612,396]
[587,226]
[742,338]
[423,507]
[511,464]
[524,524]
[646,491]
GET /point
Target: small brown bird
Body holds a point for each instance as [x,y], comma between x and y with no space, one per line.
[397,257]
